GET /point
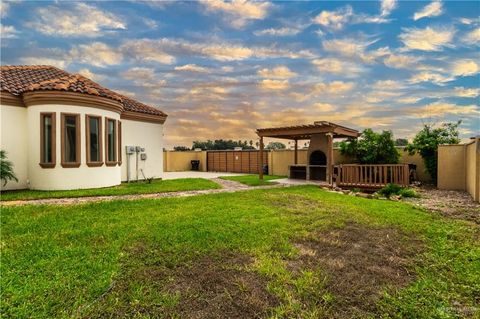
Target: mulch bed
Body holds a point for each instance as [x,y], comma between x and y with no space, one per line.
[452,204]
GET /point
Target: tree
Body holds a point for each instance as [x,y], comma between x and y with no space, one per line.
[275,146]
[427,140]
[221,145]
[401,142]
[372,148]
[181,148]
[6,169]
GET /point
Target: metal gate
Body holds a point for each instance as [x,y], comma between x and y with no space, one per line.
[235,161]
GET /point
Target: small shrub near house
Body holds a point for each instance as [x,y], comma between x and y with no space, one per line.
[6,169]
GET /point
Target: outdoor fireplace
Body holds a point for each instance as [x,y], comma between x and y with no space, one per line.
[318,165]
[319,162]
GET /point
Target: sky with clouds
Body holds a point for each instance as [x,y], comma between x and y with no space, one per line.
[222,69]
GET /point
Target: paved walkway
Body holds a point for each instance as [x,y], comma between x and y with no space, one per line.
[227,187]
[197,174]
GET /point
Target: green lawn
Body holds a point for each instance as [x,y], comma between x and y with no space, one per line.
[157,186]
[253,180]
[298,252]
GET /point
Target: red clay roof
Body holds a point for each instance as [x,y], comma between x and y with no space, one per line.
[27,78]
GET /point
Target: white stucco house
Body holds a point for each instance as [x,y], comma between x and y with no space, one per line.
[64,131]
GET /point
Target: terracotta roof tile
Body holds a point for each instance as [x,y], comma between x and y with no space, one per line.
[27,78]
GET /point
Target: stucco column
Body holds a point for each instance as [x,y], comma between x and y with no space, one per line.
[329,157]
[260,166]
[296,152]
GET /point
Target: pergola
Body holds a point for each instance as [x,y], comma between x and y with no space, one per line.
[321,131]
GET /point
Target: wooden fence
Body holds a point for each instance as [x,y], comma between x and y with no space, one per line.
[372,176]
[235,161]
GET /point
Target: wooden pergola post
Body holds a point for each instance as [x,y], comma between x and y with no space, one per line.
[260,167]
[330,157]
[296,152]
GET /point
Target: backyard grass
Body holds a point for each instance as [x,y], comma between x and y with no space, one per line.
[157,186]
[298,252]
[253,180]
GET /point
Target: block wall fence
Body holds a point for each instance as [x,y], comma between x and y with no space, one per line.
[278,161]
[459,167]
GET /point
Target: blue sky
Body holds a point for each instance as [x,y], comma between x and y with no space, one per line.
[222,69]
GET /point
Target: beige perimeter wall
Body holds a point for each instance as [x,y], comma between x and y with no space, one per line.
[180,161]
[459,167]
[278,161]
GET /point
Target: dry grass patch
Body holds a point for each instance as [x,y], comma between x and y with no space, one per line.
[358,263]
[220,286]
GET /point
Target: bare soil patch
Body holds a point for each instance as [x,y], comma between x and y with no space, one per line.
[220,286]
[359,263]
[452,204]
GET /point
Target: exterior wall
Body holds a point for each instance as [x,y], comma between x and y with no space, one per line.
[180,161]
[149,136]
[422,174]
[451,167]
[472,170]
[66,178]
[13,139]
[459,167]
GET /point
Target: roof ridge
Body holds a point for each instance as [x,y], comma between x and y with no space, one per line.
[32,67]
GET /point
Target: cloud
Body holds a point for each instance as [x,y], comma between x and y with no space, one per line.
[79,20]
[388,85]
[387,7]
[4,8]
[8,31]
[428,39]
[335,87]
[281,32]
[436,78]
[347,46]
[147,50]
[408,100]
[465,68]
[433,9]
[139,74]
[337,66]
[239,12]
[335,20]
[324,107]
[165,50]
[355,48]
[472,37]
[274,85]
[44,61]
[277,72]
[144,77]
[96,53]
[440,108]
[466,92]
[191,68]
[401,61]
[89,74]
